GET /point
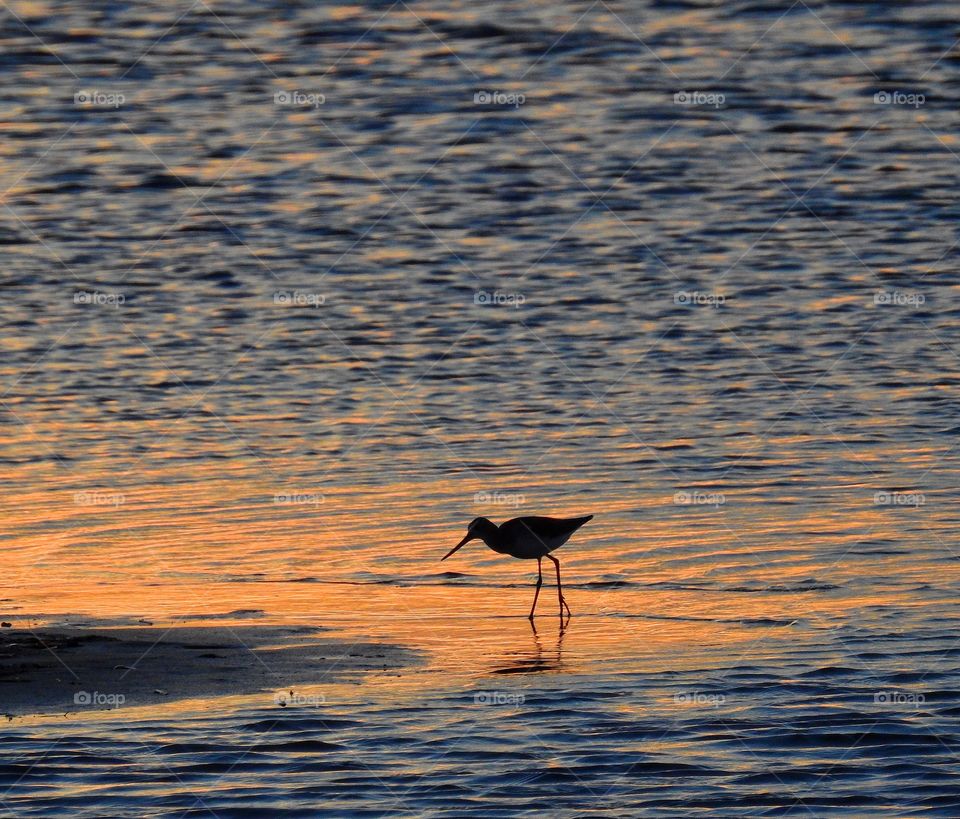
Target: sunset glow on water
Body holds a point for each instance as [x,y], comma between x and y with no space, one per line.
[292,293]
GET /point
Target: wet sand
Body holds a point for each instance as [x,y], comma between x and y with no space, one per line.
[70,670]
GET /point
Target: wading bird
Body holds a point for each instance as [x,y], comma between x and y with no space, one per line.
[526,538]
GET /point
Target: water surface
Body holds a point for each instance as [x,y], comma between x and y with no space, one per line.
[271,357]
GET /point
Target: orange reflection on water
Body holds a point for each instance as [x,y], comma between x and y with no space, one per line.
[652,584]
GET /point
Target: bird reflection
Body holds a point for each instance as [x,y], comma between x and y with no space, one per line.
[537,658]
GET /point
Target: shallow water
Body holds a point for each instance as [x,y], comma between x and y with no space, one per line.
[728,330]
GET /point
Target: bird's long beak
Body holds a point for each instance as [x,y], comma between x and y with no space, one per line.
[461,544]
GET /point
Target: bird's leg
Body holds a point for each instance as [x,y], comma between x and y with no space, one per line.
[563,603]
[536,594]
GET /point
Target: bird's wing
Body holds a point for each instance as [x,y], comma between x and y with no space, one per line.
[544,527]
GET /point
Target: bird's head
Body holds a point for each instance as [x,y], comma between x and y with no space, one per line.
[479,529]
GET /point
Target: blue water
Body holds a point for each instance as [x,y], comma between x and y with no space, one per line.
[724,322]
[770,732]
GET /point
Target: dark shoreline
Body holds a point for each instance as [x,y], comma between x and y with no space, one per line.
[75,670]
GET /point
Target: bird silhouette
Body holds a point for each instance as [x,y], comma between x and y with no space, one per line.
[526,538]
